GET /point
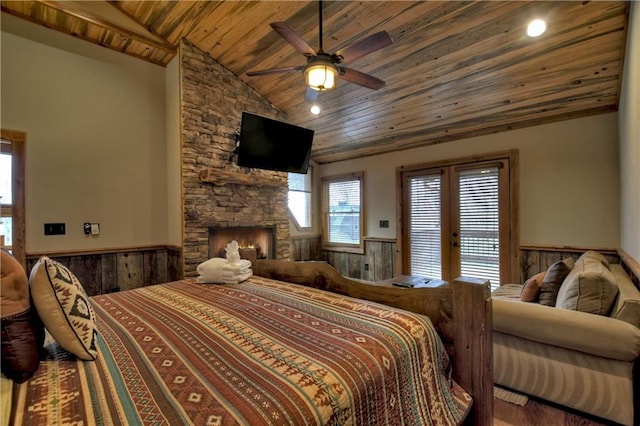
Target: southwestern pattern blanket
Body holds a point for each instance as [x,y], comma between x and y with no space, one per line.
[262,352]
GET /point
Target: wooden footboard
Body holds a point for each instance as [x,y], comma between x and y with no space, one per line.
[460,312]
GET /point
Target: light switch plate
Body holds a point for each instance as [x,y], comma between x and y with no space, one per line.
[95,229]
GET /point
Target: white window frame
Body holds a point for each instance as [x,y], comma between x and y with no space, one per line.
[341,246]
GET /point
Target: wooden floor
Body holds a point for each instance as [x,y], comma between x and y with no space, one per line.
[537,413]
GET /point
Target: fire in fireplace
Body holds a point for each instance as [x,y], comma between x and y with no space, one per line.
[255,242]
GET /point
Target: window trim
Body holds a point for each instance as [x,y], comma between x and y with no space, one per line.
[311,210]
[342,247]
[16,147]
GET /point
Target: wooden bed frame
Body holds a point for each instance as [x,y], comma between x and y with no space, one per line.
[461,313]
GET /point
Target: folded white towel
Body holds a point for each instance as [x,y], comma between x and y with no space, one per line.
[243,264]
[239,278]
[211,270]
[219,270]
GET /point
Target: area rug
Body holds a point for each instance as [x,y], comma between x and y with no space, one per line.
[510,396]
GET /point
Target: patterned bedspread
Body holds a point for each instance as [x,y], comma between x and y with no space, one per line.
[262,352]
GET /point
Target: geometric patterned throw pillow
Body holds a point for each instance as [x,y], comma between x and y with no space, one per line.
[64,308]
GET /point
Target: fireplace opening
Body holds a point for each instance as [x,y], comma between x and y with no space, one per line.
[255,242]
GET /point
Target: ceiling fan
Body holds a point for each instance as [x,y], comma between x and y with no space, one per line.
[322,69]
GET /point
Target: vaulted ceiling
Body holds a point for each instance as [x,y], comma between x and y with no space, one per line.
[455,69]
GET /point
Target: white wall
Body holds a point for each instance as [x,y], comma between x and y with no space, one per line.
[96,135]
[630,139]
[569,189]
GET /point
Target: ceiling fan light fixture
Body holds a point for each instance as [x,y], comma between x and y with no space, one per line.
[321,75]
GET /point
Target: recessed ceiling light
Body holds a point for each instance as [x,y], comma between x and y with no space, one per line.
[536,28]
[315,110]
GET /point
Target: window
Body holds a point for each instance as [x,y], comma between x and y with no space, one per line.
[299,199]
[12,213]
[342,207]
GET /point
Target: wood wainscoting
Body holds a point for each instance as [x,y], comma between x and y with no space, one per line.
[376,264]
[534,259]
[106,271]
[379,259]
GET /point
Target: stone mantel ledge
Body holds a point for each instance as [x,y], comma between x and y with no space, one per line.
[225,177]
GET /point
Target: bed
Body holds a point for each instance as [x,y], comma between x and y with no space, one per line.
[296,344]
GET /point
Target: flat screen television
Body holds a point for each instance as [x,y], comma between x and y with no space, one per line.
[269,144]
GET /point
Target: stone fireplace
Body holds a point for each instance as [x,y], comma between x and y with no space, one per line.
[255,242]
[217,193]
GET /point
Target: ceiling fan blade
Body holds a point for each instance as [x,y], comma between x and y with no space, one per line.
[310,94]
[361,78]
[293,38]
[274,71]
[364,47]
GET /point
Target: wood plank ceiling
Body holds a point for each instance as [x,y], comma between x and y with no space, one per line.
[456,69]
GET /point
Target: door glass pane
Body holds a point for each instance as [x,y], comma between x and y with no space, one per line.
[479,227]
[425,226]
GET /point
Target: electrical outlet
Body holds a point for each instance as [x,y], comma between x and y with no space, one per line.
[366,266]
[384,224]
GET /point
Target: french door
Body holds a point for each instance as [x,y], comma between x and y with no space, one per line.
[456,220]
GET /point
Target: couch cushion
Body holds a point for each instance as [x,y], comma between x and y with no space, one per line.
[508,292]
[64,307]
[532,288]
[594,255]
[590,287]
[553,280]
[22,330]
[627,305]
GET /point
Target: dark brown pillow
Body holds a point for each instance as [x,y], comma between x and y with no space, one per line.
[22,330]
[532,287]
[553,280]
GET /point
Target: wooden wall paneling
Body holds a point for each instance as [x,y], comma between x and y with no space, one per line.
[130,270]
[370,250]
[154,267]
[149,267]
[175,267]
[355,265]
[161,267]
[537,259]
[87,270]
[388,260]
[335,260]
[547,259]
[305,248]
[378,264]
[294,249]
[109,272]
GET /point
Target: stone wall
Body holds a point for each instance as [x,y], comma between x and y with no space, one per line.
[211,107]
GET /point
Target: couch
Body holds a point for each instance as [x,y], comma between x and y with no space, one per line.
[575,341]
